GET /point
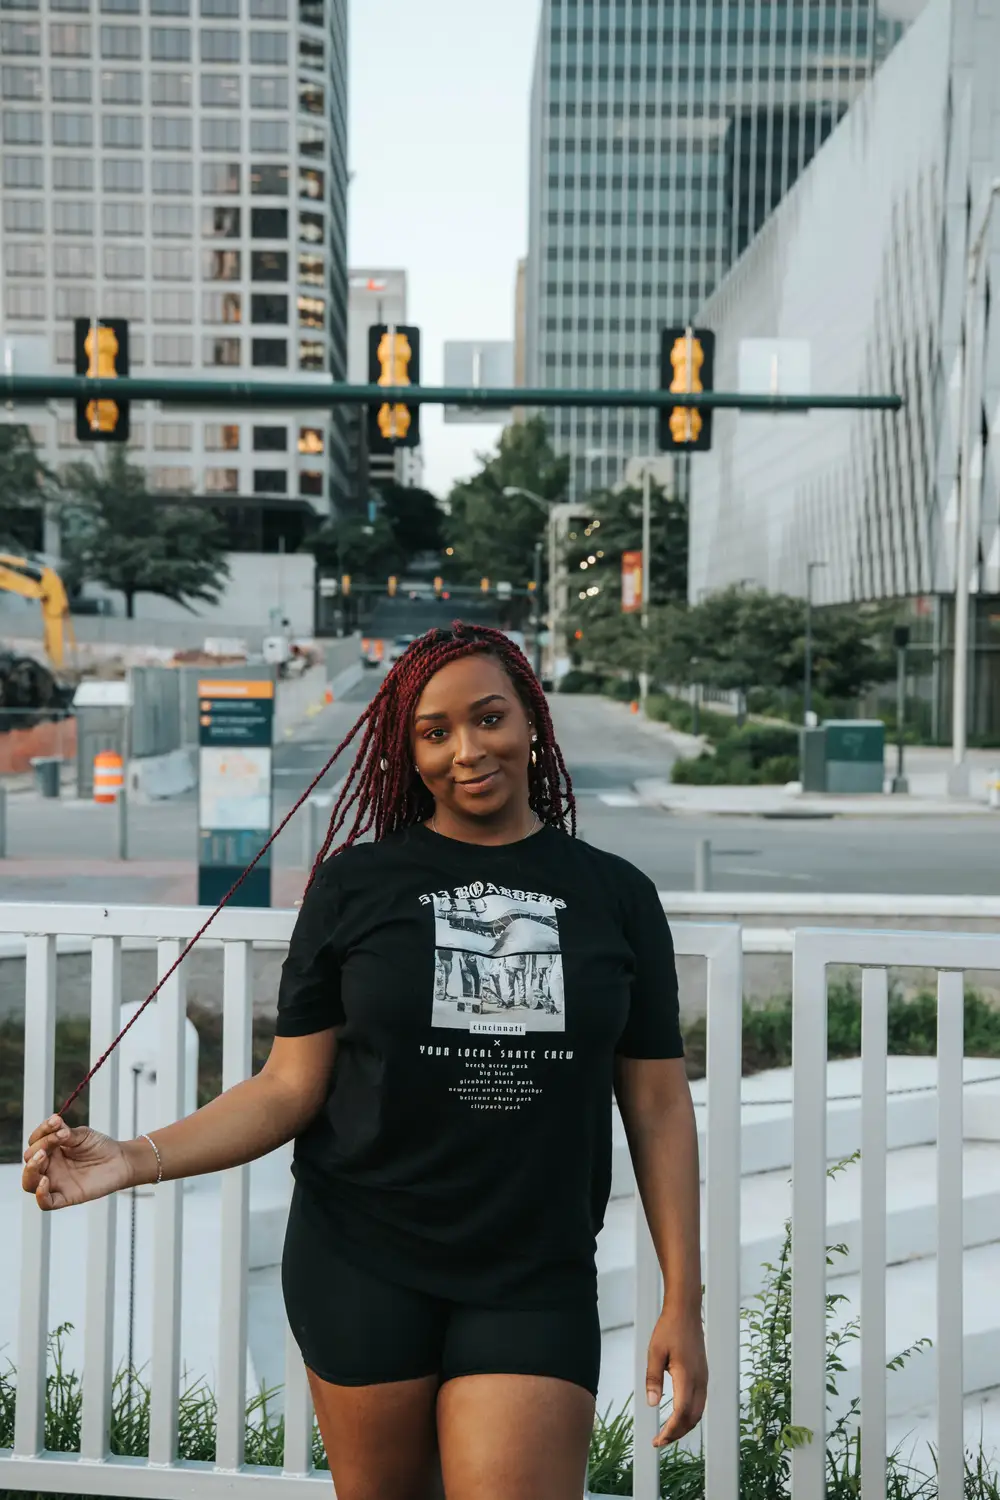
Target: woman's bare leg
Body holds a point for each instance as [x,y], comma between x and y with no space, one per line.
[514,1435]
[380,1439]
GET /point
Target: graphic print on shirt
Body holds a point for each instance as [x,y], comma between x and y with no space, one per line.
[497,959]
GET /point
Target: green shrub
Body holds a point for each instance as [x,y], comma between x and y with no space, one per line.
[622,689]
[761,742]
[779,770]
[754,755]
[576,680]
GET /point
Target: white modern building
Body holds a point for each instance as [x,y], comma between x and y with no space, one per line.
[663,133]
[182,164]
[865,265]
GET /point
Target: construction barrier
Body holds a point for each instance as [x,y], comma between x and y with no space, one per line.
[109,776]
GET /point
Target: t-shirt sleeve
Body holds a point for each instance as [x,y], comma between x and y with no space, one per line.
[653,1025]
[309,992]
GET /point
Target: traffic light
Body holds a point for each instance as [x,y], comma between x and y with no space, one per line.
[393,585]
[532,586]
[438,586]
[687,360]
[393,360]
[484,584]
[101,351]
[345,584]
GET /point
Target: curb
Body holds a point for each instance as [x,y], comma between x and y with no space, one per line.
[793,814]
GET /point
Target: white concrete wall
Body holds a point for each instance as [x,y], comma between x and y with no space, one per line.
[259,582]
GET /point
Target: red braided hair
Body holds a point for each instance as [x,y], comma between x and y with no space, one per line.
[382,785]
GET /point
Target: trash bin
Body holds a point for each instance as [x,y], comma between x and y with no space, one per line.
[855,755]
[47,769]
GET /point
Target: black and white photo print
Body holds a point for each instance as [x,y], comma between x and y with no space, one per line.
[497,959]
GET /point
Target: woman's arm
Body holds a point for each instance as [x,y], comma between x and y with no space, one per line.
[65,1167]
[656,1108]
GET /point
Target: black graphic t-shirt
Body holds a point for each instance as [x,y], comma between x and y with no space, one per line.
[481,993]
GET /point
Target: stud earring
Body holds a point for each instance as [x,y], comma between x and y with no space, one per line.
[383,764]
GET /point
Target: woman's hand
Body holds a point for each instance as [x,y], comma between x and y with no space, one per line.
[678,1346]
[64,1167]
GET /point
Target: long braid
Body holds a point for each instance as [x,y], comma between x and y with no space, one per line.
[382,787]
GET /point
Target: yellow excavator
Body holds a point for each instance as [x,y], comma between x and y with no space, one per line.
[24,682]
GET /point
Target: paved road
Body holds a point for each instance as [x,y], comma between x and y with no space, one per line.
[66,851]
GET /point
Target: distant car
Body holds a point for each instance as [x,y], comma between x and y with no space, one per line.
[398,646]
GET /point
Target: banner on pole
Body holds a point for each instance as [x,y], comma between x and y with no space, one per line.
[631,582]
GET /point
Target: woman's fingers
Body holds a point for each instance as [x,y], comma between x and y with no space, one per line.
[51,1126]
[48,1143]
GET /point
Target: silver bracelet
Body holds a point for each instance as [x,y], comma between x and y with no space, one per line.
[159,1159]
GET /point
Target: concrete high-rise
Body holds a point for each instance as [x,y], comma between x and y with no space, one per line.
[182,164]
[663,133]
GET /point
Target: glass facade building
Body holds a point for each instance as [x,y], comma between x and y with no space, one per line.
[663,133]
[182,164]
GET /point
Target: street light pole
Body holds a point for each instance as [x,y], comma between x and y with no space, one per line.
[901,636]
[549,506]
[807,693]
[958,776]
[646,572]
[538,611]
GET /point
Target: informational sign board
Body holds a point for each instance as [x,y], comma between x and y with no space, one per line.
[631,582]
[235,788]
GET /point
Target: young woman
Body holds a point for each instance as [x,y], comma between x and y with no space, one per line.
[460,997]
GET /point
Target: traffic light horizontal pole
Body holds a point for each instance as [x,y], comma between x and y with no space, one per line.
[238,393]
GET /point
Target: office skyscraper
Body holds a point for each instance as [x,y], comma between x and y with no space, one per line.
[663,132]
[182,164]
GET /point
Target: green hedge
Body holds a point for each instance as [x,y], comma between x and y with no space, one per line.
[756,755]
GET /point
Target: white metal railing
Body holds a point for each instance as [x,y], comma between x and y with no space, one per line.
[27,1466]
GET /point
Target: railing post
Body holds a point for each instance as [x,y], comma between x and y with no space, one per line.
[122,800]
[3,821]
[703,865]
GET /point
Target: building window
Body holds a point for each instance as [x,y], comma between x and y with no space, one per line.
[24,301]
[70,85]
[220,177]
[122,130]
[222,438]
[122,218]
[269,47]
[270,440]
[221,307]
[173,221]
[120,7]
[22,127]
[172,132]
[310,481]
[311,270]
[20,39]
[173,264]
[311,13]
[72,218]
[220,90]
[268,307]
[269,223]
[170,7]
[124,262]
[312,312]
[312,98]
[173,307]
[222,481]
[220,46]
[220,223]
[269,181]
[268,265]
[271,352]
[269,10]
[121,42]
[122,176]
[216,351]
[172,437]
[73,173]
[172,348]
[220,265]
[217,8]
[311,440]
[270,482]
[269,91]
[69,40]
[170,88]
[312,354]
[170,44]
[121,88]
[310,183]
[73,260]
[72,130]
[268,135]
[21,83]
[312,141]
[24,260]
[220,135]
[24,216]
[172,177]
[68,5]
[312,53]
[177,479]
[22,171]
[312,228]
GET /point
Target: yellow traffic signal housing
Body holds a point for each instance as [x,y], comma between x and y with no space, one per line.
[687,359]
[393,585]
[393,360]
[438,586]
[484,584]
[101,352]
[345,583]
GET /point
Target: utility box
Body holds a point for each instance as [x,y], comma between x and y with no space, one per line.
[855,755]
[812,760]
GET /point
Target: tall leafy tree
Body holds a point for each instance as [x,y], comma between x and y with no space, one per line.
[414,517]
[25,487]
[493,534]
[118,533]
[368,550]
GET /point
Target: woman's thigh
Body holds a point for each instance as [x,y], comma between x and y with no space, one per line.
[380,1439]
[514,1435]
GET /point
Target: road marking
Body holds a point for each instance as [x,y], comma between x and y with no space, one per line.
[754,870]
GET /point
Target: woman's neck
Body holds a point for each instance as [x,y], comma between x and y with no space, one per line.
[509,826]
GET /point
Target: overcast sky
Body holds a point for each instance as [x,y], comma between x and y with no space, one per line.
[439,148]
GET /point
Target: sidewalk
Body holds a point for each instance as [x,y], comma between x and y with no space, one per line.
[775,802]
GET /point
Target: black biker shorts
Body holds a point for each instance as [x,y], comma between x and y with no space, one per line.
[355,1328]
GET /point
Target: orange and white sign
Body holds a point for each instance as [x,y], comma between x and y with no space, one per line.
[217,688]
[631,582]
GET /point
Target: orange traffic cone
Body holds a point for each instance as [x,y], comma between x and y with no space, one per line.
[634,707]
[329,695]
